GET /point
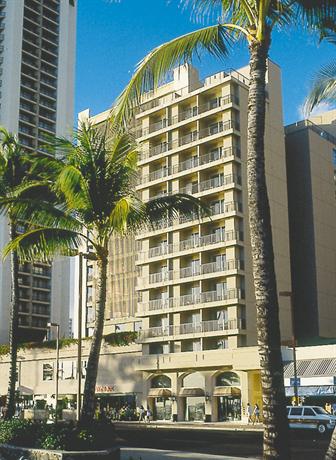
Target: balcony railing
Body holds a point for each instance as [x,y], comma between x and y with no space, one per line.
[192,163]
[186,114]
[192,328]
[190,299]
[191,243]
[187,272]
[215,209]
[163,147]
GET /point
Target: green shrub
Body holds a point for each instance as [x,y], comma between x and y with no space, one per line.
[63,436]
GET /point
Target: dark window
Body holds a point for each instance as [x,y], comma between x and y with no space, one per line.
[296,411]
[308,412]
[227,379]
[161,381]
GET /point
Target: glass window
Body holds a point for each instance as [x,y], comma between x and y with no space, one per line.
[320,410]
[196,379]
[48,371]
[296,411]
[161,381]
[68,370]
[227,379]
[308,412]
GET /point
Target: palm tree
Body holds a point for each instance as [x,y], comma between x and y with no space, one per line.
[93,182]
[253,21]
[324,84]
[13,168]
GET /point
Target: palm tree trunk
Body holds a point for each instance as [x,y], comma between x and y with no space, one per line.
[14,329]
[276,436]
[331,452]
[88,408]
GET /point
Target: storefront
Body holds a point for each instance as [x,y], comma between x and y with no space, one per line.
[193,397]
[160,397]
[228,394]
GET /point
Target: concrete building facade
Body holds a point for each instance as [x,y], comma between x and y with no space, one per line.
[311,162]
[37,58]
[194,283]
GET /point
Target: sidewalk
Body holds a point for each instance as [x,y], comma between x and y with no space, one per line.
[214,426]
[156,454]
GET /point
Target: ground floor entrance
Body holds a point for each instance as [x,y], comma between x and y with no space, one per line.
[195,408]
[162,409]
[229,409]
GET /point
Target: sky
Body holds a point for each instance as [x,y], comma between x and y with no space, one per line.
[113,36]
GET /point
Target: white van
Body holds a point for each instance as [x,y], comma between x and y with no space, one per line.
[310,417]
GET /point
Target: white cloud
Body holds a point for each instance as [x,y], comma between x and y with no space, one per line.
[320,108]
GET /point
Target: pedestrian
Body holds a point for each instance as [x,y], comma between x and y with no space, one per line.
[141,414]
[148,414]
[333,406]
[249,412]
[256,414]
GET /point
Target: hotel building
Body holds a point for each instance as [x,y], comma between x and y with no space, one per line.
[311,163]
[194,284]
[37,57]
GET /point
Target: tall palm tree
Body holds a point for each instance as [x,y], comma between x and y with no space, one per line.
[13,168]
[93,181]
[253,21]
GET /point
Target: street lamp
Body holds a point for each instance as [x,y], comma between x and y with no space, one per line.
[290,295]
[49,326]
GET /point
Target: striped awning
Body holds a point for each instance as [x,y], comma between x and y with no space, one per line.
[226,391]
[311,368]
[192,392]
[159,393]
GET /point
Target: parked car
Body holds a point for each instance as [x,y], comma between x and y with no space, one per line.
[310,417]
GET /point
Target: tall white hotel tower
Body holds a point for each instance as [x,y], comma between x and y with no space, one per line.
[37,60]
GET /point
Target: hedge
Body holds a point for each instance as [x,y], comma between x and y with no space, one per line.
[117,339]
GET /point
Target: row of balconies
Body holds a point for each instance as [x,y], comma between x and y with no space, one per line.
[189,300]
[191,163]
[193,136]
[203,186]
[226,326]
[195,242]
[187,114]
[215,209]
[190,271]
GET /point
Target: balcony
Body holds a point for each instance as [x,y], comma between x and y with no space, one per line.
[186,139]
[215,182]
[215,210]
[187,114]
[190,272]
[190,243]
[227,326]
[172,303]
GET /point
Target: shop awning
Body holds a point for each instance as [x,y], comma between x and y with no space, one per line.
[226,391]
[323,390]
[25,390]
[159,393]
[192,392]
[311,368]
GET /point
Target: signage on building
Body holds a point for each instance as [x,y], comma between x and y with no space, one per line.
[105,388]
[294,381]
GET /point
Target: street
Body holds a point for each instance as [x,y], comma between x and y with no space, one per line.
[306,445]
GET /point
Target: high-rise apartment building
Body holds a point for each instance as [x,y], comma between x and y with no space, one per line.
[36,100]
[311,164]
[194,278]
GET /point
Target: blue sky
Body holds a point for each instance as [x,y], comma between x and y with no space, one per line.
[113,36]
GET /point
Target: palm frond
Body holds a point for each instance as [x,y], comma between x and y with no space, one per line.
[45,243]
[154,67]
[323,88]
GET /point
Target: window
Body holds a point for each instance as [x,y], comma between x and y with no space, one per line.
[227,379]
[161,381]
[48,371]
[334,157]
[68,370]
[296,411]
[307,411]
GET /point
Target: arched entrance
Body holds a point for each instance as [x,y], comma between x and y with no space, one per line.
[160,393]
[193,394]
[228,394]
